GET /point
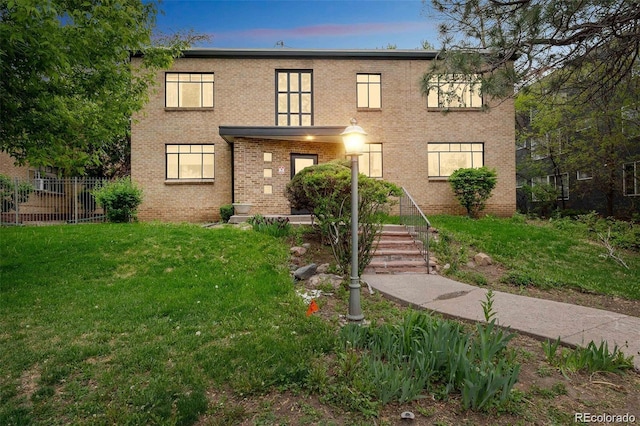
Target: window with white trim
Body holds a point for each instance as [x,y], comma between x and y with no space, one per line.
[368,91]
[560,183]
[631,179]
[190,161]
[188,90]
[454,91]
[445,158]
[580,175]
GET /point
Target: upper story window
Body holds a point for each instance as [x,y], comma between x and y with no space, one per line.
[631,179]
[46,180]
[188,90]
[454,91]
[294,98]
[369,91]
[190,161]
[445,158]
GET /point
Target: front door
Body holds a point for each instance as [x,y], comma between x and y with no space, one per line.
[299,162]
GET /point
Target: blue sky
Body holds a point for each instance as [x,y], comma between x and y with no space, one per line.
[303,24]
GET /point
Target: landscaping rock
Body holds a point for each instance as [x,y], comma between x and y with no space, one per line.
[482,259]
[323,269]
[320,279]
[298,251]
[305,272]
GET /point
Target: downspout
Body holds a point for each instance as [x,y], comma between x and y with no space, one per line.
[233,173]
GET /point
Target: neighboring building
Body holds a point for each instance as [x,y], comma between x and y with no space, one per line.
[613,188]
[235,125]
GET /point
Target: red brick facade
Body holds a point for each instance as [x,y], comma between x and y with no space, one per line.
[245,97]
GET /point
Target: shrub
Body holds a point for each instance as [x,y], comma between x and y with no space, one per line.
[120,199]
[472,187]
[8,194]
[325,190]
[226,211]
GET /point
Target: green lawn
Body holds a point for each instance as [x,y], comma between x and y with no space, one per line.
[130,324]
[546,254]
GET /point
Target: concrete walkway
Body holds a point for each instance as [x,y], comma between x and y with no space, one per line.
[545,319]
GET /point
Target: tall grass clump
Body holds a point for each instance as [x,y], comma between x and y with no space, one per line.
[274,226]
[424,354]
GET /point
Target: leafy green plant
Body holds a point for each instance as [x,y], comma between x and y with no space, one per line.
[226,211]
[590,358]
[325,190]
[472,187]
[274,226]
[11,195]
[120,199]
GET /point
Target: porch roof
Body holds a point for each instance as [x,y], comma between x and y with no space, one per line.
[329,134]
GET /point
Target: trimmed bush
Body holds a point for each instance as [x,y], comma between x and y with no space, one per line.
[226,211]
[472,187]
[120,199]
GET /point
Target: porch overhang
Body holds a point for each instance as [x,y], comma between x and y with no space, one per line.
[330,134]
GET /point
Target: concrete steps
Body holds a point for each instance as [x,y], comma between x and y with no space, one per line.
[397,253]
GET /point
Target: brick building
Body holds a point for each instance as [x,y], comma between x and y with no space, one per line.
[229,126]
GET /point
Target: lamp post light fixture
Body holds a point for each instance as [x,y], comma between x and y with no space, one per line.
[354,138]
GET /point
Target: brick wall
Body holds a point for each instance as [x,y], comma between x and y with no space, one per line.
[245,96]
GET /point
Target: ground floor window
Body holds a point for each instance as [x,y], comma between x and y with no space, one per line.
[631,179]
[445,158]
[190,161]
[559,182]
[370,162]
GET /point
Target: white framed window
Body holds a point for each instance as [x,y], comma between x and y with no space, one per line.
[538,148]
[580,175]
[368,91]
[294,98]
[189,90]
[561,183]
[631,179]
[445,158]
[190,161]
[46,180]
[454,91]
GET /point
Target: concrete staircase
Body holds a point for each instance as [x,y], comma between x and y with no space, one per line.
[397,253]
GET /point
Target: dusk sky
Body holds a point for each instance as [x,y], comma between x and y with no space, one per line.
[303,24]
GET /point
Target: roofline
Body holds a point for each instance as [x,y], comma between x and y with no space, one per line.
[308,133]
[287,53]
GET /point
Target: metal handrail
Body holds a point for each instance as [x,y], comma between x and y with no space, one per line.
[416,223]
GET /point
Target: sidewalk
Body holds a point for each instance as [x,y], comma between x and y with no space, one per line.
[545,319]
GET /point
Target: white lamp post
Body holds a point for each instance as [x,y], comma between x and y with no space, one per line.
[354,137]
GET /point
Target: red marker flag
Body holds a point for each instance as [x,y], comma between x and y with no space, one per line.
[313,307]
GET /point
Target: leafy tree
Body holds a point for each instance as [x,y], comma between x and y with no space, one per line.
[68,87]
[484,36]
[13,193]
[472,188]
[325,189]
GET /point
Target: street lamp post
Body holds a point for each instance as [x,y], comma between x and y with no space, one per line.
[354,138]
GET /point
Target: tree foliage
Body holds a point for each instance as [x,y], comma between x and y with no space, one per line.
[575,133]
[325,190]
[68,87]
[472,187]
[483,36]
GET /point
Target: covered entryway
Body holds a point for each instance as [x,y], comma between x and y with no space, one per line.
[264,159]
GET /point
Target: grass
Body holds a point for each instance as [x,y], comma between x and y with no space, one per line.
[120,324]
[541,254]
